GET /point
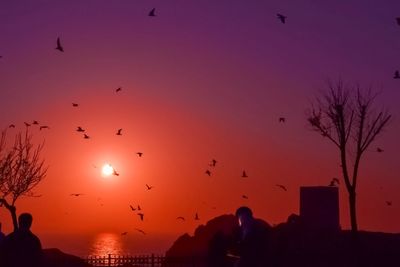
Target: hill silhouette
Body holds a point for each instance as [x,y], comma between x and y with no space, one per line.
[293,244]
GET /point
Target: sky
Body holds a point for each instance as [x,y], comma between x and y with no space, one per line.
[201,80]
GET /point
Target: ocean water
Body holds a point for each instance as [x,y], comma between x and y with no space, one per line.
[102,244]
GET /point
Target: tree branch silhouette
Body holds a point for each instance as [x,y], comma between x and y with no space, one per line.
[21,170]
[345,116]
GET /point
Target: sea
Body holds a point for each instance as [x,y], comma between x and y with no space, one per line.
[105,243]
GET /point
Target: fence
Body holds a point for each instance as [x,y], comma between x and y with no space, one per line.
[143,261]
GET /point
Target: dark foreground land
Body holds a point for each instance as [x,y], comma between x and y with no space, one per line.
[290,245]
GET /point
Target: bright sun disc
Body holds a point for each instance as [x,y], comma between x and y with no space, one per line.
[107,170]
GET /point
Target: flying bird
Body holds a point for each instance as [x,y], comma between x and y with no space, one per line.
[334,182]
[149,187]
[59,46]
[119,132]
[80,129]
[282,187]
[138,207]
[141,215]
[75,105]
[244,174]
[398,20]
[208,172]
[282,119]
[180,218]
[44,127]
[11,126]
[85,136]
[76,195]
[379,150]
[140,154]
[152,13]
[281,17]
[196,217]
[124,233]
[132,208]
[396,75]
[118,89]
[115,172]
[213,163]
[245,197]
[35,123]
[27,124]
[389,203]
[140,231]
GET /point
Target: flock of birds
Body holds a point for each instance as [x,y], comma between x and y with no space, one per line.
[334,182]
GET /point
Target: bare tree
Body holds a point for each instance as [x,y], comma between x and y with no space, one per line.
[345,116]
[21,170]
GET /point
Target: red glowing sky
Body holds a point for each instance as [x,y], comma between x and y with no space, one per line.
[199,81]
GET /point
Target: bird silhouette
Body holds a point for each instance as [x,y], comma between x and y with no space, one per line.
[213,163]
[80,129]
[138,207]
[196,217]
[140,154]
[149,187]
[244,174]
[398,20]
[180,218]
[11,126]
[44,127]
[281,17]
[141,216]
[335,181]
[132,208]
[75,105]
[115,172]
[124,233]
[59,46]
[379,150]
[282,187]
[27,124]
[208,172]
[389,203]
[119,132]
[118,89]
[140,231]
[396,75]
[76,194]
[245,197]
[152,13]
[282,119]
[85,136]
[35,123]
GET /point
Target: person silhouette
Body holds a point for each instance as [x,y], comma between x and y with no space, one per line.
[22,247]
[253,239]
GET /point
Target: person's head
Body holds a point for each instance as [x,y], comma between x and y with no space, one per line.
[244,215]
[25,221]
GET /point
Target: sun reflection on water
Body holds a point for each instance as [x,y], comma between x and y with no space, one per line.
[106,243]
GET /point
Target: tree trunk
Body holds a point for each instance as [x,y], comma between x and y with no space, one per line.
[353,211]
[13,211]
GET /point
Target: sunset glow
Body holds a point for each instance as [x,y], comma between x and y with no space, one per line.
[206,102]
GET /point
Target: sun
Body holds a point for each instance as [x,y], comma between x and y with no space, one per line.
[107,170]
